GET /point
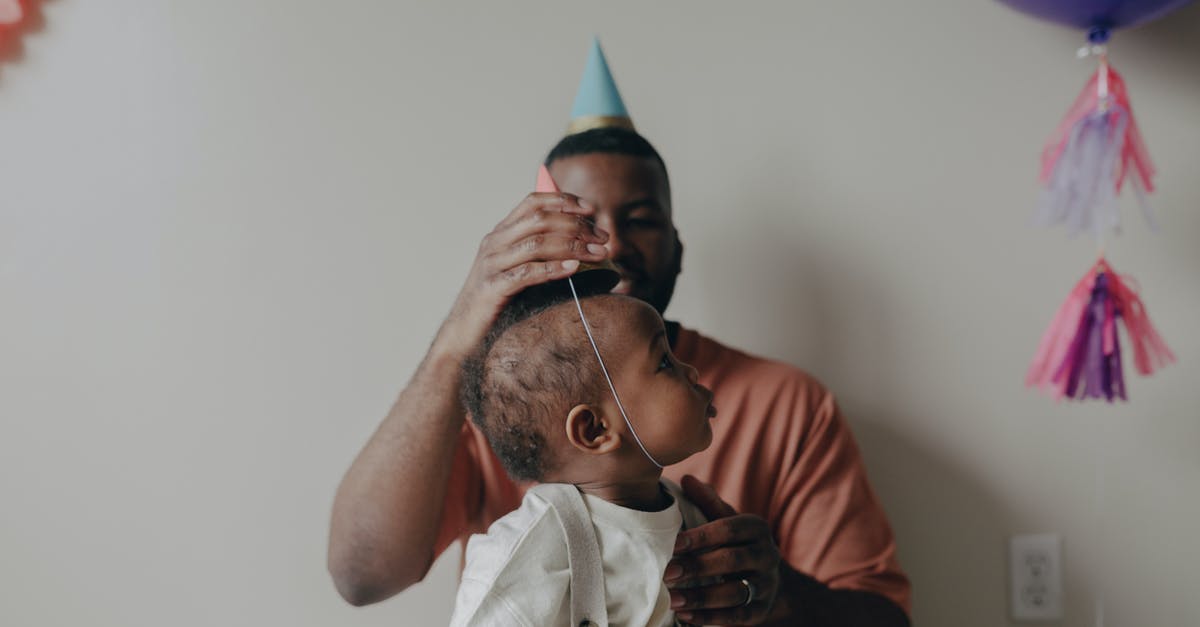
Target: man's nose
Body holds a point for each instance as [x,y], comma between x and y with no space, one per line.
[615,245]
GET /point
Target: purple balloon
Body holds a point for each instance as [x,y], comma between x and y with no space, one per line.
[1097,16]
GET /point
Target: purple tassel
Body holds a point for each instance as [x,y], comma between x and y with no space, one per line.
[1092,368]
[1093,360]
[1114,364]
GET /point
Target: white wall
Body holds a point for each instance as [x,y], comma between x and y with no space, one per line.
[229,229]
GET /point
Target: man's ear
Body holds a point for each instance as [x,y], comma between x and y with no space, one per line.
[590,432]
[678,260]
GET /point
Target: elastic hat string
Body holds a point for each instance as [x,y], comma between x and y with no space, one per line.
[587,329]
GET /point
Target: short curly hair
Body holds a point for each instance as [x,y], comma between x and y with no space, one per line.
[529,371]
[607,140]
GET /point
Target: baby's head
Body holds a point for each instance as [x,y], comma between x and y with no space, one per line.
[537,392]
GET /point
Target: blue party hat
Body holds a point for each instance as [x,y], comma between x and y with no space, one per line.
[597,103]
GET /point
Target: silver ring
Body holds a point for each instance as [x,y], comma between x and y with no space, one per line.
[751,591]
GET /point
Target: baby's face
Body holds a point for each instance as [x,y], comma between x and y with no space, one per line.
[669,409]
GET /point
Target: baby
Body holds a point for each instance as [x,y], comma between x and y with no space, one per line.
[592,414]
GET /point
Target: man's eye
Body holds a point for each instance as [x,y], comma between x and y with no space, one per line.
[642,223]
[665,363]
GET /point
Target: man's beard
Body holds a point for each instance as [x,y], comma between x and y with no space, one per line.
[658,293]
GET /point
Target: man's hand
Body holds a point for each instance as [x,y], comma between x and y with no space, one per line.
[731,548]
[543,239]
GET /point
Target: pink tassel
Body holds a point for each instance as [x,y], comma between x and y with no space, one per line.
[1056,341]
[1150,352]
[1087,160]
[1133,151]
[1079,355]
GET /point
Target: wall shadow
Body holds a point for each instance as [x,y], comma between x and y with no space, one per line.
[950,529]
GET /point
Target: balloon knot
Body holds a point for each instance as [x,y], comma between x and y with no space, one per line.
[1098,35]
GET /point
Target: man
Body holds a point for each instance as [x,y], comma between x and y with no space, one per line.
[797,538]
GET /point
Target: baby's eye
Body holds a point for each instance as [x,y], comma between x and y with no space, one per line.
[665,363]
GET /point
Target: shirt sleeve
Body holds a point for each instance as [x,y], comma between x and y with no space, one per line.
[832,526]
[514,575]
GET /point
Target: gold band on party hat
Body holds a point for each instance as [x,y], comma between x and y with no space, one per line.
[596,278]
[589,122]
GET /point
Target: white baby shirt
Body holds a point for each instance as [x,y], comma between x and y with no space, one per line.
[517,574]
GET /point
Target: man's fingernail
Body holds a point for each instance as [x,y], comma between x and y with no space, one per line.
[676,600]
[597,249]
[674,571]
[570,265]
[682,542]
[684,616]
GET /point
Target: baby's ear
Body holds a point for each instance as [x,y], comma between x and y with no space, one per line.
[590,432]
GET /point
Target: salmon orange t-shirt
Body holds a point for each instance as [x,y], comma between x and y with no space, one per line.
[780,450]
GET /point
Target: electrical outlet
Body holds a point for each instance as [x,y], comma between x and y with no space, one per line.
[1035,567]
